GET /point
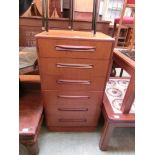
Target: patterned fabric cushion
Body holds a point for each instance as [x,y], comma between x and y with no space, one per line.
[115,91]
[126,20]
[130,1]
[27,56]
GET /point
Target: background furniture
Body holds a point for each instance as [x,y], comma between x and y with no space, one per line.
[83,10]
[126,31]
[125,22]
[32,22]
[73,67]
[30,112]
[118,110]
[30,26]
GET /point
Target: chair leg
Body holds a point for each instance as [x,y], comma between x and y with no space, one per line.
[105,135]
[114,29]
[121,72]
[33,149]
[113,72]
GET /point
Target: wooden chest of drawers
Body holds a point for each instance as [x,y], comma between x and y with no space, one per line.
[74,67]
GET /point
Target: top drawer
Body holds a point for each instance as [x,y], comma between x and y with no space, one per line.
[93,49]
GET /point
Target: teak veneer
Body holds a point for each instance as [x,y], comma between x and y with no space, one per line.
[74,67]
[125,117]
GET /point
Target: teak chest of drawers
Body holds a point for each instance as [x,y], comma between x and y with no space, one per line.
[74,67]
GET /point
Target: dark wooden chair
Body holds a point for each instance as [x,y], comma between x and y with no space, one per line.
[118,101]
[30,113]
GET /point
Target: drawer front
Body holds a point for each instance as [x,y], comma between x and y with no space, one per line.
[70,120]
[73,67]
[72,98]
[72,108]
[74,48]
[49,82]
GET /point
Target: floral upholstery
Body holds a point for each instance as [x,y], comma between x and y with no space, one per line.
[115,91]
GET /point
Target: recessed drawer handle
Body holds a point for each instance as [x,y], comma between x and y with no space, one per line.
[72,120]
[63,65]
[84,82]
[72,48]
[72,97]
[73,109]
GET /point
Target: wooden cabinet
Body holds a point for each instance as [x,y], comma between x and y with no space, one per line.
[73,67]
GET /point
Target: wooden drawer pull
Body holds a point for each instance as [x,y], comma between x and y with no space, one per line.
[72,97]
[72,120]
[75,48]
[84,82]
[63,65]
[73,109]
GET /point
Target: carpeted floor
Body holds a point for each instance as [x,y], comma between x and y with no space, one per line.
[122,142]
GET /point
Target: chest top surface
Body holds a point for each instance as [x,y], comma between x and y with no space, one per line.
[70,34]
